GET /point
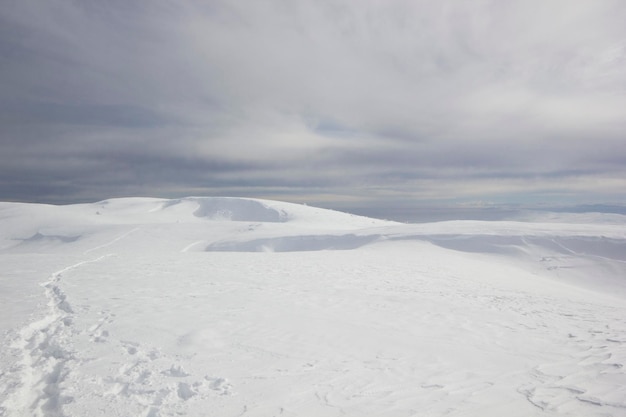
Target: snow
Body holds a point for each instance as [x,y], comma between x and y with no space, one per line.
[244,307]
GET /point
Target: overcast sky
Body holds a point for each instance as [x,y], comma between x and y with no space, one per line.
[332,102]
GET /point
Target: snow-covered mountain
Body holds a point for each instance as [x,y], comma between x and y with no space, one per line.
[244,307]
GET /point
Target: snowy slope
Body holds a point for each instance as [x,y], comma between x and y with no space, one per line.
[242,307]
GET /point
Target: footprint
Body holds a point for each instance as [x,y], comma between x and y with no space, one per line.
[130,347]
[185,391]
[100,336]
[220,385]
[176,371]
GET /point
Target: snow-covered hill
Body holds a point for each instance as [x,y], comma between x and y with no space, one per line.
[244,307]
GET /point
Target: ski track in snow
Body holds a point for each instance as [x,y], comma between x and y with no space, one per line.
[117,239]
[191,245]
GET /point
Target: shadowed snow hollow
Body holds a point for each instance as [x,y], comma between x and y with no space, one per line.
[213,208]
[295,243]
[237,209]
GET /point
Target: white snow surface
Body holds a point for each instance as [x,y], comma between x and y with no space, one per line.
[243,307]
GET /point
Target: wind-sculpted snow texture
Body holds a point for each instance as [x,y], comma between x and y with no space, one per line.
[240,307]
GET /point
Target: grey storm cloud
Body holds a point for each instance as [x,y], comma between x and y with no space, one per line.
[313,100]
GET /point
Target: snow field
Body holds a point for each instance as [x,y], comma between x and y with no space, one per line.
[153,307]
